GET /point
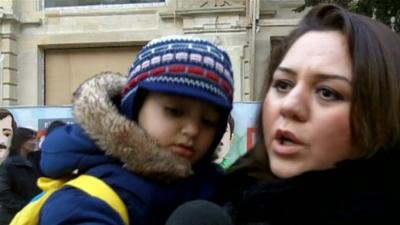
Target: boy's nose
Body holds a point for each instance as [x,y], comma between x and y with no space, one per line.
[295,105]
[190,128]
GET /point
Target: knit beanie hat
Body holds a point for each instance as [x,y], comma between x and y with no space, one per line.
[180,65]
[183,66]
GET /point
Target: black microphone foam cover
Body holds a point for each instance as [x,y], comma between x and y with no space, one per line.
[199,212]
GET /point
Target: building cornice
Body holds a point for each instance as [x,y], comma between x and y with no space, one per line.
[179,13]
[9,16]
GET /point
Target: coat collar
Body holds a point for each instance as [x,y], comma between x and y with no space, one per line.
[95,111]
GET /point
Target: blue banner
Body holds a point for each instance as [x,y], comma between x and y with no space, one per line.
[39,117]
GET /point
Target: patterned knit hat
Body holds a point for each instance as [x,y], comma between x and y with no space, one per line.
[180,65]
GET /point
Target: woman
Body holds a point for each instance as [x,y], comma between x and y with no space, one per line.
[329,128]
[18,175]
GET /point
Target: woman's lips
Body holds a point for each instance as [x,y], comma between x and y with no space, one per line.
[286,143]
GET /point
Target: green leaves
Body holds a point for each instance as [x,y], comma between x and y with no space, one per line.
[387,11]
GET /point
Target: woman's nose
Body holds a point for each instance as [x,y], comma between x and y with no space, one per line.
[295,105]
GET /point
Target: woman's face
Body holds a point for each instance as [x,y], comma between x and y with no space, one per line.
[306,112]
[30,145]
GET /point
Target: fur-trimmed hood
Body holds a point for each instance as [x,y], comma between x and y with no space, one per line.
[100,125]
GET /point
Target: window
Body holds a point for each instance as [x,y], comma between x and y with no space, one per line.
[66,69]
[68,3]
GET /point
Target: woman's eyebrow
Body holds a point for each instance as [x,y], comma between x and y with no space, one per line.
[320,76]
[286,70]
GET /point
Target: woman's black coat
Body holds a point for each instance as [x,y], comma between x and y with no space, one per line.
[17,186]
[356,192]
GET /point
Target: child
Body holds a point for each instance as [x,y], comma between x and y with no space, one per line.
[154,144]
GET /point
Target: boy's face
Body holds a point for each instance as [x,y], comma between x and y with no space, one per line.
[183,125]
[6,132]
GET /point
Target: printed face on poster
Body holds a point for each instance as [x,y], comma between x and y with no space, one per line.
[240,133]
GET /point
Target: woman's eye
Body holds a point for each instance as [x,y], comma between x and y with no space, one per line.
[173,111]
[329,94]
[282,85]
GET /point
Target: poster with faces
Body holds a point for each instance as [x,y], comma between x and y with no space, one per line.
[242,139]
[233,144]
[39,117]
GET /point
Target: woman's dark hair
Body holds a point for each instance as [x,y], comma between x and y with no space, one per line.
[53,125]
[21,135]
[374,51]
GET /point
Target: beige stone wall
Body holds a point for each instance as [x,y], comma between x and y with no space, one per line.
[27,31]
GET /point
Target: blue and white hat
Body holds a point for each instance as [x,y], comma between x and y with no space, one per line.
[180,65]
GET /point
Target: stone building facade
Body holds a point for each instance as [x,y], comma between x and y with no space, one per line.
[47,51]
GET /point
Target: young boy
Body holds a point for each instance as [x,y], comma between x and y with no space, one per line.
[154,144]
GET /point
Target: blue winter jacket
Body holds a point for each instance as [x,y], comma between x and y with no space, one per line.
[151,181]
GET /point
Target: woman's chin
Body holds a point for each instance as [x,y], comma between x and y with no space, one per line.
[285,171]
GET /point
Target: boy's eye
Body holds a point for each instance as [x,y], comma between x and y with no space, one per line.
[174,111]
[210,122]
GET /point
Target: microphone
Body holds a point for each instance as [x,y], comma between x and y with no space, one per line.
[199,212]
